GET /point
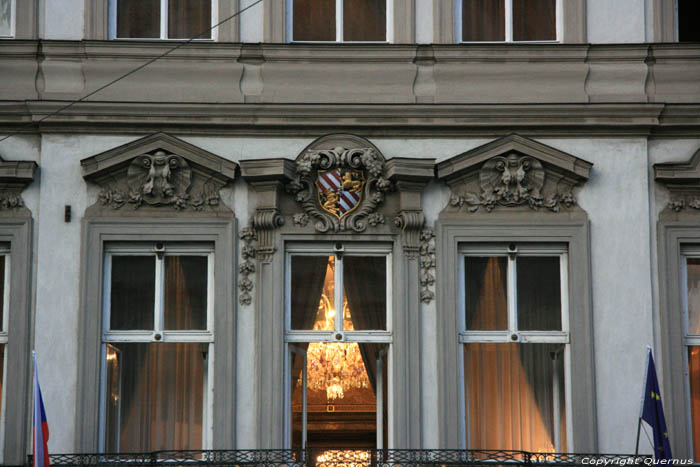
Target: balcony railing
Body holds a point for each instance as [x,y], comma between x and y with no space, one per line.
[325,457]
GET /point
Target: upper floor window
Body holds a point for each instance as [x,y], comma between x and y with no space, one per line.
[157,342]
[337,20]
[161,19]
[687,12]
[515,335]
[7,18]
[506,20]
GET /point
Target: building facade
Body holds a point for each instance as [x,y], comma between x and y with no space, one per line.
[397,224]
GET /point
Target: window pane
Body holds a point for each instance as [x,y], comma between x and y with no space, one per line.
[364,281]
[138,18]
[187,18]
[539,293]
[693,295]
[688,13]
[2,291]
[364,20]
[314,20]
[514,397]
[486,293]
[483,20]
[5,18]
[132,292]
[186,292]
[313,292]
[155,396]
[694,377]
[534,20]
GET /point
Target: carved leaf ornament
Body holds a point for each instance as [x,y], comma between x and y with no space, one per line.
[512,180]
[339,188]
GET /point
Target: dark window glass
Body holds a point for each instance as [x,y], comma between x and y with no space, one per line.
[688,26]
[313,293]
[2,290]
[188,18]
[486,293]
[364,20]
[132,293]
[483,20]
[534,20]
[539,293]
[314,20]
[693,296]
[186,292]
[155,396]
[364,281]
[138,18]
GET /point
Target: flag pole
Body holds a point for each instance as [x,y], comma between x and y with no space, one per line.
[639,426]
[641,404]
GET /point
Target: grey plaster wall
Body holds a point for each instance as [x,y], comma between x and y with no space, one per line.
[621,205]
[62,19]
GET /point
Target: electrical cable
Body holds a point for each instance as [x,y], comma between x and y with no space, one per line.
[138,68]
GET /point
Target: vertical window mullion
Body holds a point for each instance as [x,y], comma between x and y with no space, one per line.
[339,20]
[163,19]
[509,20]
[159,295]
[512,299]
[338,301]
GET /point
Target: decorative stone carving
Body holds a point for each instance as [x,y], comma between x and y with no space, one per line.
[247,267]
[159,171]
[265,221]
[14,178]
[427,265]
[512,172]
[411,223]
[340,188]
[682,179]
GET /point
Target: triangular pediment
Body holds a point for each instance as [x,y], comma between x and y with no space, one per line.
[683,181]
[513,172]
[159,170]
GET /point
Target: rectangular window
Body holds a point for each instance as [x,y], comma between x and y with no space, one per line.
[692,342]
[338,336]
[4,309]
[161,19]
[687,12]
[7,18]
[337,20]
[157,346]
[515,346]
[507,20]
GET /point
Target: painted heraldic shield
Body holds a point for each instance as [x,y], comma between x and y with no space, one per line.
[340,190]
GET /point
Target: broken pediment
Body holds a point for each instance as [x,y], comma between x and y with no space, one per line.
[683,181]
[159,171]
[513,172]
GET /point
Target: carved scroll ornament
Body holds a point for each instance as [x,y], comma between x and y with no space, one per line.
[340,188]
[512,180]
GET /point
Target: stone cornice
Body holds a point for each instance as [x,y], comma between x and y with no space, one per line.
[628,119]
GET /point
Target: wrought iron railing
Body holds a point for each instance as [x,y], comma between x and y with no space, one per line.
[316,457]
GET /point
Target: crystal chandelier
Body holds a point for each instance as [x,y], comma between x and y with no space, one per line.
[337,366]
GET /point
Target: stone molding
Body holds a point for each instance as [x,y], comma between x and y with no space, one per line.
[512,172]
[14,178]
[427,265]
[682,179]
[158,171]
[247,268]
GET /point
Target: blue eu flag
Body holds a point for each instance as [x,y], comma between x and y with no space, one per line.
[653,413]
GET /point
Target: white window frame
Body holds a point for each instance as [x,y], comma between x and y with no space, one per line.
[508,25]
[512,334]
[13,20]
[292,337]
[4,339]
[158,333]
[689,340]
[289,24]
[163,24]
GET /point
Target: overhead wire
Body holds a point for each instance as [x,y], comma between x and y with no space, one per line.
[138,68]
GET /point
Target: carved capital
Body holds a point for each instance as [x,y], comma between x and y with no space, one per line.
[411,223]
[682,179]
[265,222]
[14,178]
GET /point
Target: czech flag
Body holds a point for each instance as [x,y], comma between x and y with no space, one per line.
[40,427]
